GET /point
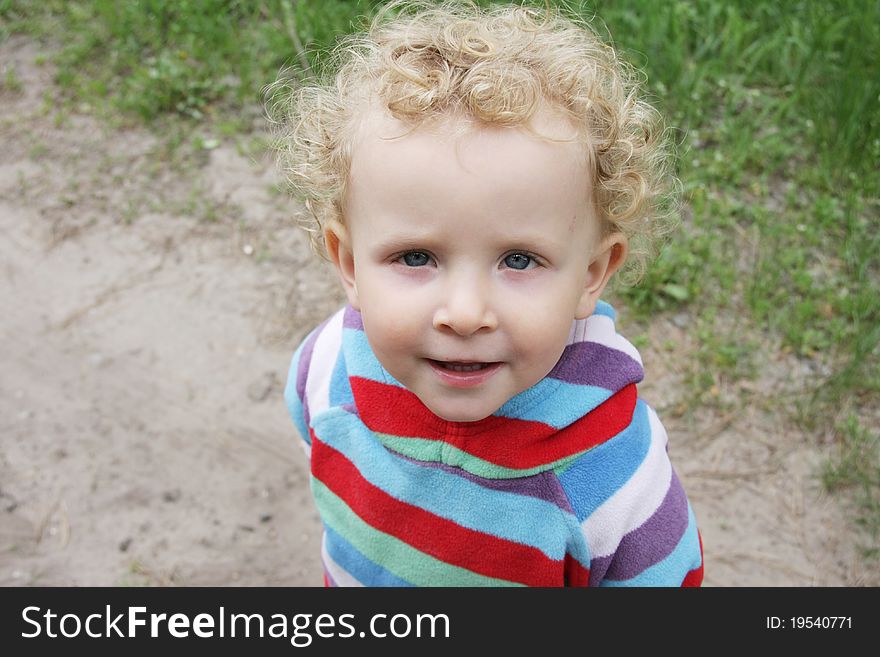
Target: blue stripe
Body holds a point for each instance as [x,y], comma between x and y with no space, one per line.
[604,308]
[578,548]
[616,459]
[521,518]
[675,567]
[560,404]
[340,388]
[360,567]
[291,398]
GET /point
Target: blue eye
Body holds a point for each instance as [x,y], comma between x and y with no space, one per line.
[416,259]
[518,261]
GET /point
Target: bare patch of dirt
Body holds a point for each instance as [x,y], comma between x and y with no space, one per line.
[144,440]
[150,312]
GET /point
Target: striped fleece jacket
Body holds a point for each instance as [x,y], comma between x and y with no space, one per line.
[567,484]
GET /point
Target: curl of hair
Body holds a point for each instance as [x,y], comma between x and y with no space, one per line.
[422,60]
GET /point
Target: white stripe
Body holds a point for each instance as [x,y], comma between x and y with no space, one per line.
[578,331]
[321,366]
[306,448]
[337,573]
[637,499]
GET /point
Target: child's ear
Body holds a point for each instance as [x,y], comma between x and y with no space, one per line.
[337,240]
[609,256]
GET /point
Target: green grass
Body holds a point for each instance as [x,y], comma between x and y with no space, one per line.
[10,81]
[774,105]
[855,467]
[193,58]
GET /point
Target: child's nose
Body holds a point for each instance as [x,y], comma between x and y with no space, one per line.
[466,308]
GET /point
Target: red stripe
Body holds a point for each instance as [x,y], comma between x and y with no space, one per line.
[507,442]
[439,537]
[695,576]
[575,573]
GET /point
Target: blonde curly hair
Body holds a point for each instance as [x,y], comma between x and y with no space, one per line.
[423,60]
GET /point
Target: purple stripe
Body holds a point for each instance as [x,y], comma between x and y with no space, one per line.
[302,369]
[594,364]
[543,485]
[352,319]
[650,543]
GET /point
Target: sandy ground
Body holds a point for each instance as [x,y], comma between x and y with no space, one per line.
[149,312]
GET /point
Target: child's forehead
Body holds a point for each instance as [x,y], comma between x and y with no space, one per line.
[453,148]
[376,124]
[390,156]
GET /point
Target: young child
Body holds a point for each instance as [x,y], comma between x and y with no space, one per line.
[476,177]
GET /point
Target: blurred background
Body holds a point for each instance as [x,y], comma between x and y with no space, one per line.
[156,286]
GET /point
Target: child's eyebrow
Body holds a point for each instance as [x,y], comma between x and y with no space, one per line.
[402,242]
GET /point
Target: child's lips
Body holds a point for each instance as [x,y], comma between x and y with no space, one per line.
[464,374]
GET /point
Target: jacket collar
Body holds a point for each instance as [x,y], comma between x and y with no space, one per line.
[587,398]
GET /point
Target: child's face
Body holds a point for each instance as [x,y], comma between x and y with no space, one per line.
[469,257]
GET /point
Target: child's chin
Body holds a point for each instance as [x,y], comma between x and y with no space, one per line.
[461,413]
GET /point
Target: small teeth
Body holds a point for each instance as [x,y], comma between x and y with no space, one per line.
[458,367]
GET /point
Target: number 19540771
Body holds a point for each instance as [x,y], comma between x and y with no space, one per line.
[809,623]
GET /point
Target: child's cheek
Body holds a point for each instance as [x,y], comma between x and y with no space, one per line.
[529,289]
[388,286]
[398,297]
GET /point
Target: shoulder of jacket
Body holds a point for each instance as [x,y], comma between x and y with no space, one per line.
[322,354]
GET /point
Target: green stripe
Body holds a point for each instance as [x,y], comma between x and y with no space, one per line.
[437,451]
[391,553]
